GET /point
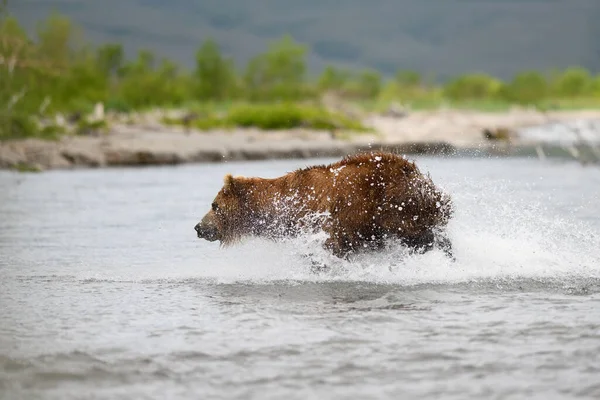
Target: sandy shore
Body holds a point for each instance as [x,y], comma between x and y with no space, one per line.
[424,132]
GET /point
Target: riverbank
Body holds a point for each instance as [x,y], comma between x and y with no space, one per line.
[422,132]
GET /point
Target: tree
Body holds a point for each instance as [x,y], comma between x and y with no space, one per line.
[56,39]
[21,76]
[286,63]
[408,79]
[172,85]
[109,58]
[25,73]
[527,87]
[472,87]
[215,77]
[369,84]
[15,46]
[82,85]
[146,84]
[596,86]
[332,79]
[278,73]
[256,81]
[138,81]
[573,82]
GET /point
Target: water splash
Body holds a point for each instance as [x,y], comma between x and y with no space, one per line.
[496,234]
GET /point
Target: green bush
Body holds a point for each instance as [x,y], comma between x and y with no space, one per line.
[573,82]
[17,126]
[51,132]
[475,86]
[26,168]
[118,105]
[21,126]
[529,87]
[55,72]
[274,117]
[288,116]
[85,127]
[202,122]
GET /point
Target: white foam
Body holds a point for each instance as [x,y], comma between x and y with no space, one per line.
[495,234]
[517,219]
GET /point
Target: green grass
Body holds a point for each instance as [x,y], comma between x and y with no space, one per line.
[19,126]
[85,127]
[14,126]
[25,167]
[279,116]
[572,104]
[272,117]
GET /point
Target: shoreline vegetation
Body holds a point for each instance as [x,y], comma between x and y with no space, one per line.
[61,95]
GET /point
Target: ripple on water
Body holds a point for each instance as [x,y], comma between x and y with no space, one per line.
[105,291]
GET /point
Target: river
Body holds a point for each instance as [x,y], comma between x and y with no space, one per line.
[106,293]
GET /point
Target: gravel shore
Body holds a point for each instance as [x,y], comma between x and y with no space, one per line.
[425,132]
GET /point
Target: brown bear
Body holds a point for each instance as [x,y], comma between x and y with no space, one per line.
[359,202]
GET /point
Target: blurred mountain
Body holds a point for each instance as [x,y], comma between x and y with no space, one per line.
[441,37]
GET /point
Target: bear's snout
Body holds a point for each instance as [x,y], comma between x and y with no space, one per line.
[206,232]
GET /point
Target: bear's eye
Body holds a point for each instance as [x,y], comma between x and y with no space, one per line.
[215,206]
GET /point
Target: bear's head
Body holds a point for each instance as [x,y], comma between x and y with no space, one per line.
[230,216]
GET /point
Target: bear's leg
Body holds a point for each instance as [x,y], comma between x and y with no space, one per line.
[444,244]
[428,240]
[352,228]
[339,246]
[421,243]
[344,233]
[316,266]
[344,245]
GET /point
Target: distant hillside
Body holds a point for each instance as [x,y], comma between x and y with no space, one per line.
[444,37]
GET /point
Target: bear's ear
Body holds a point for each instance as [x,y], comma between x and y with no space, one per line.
[228,183]
[231,184]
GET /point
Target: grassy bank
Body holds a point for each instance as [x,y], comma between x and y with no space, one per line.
[56,73]
[267,117]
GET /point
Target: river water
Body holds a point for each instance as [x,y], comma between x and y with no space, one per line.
[106,293]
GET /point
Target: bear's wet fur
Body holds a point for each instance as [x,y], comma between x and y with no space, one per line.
[360,202]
